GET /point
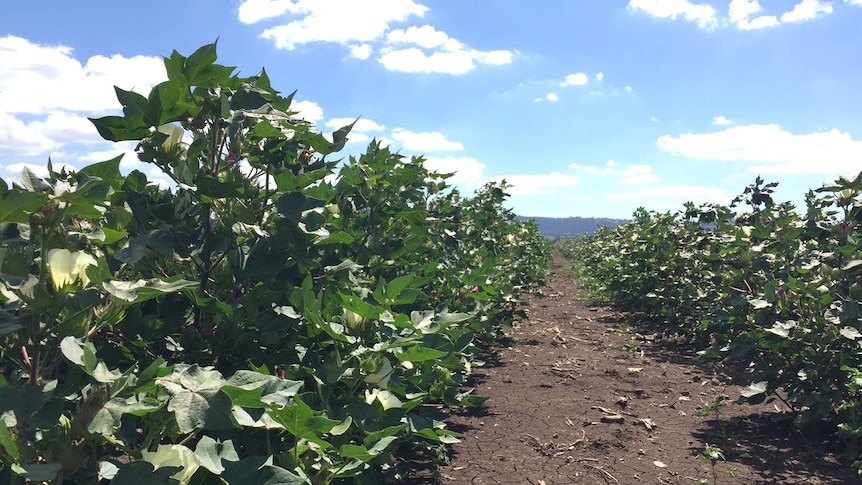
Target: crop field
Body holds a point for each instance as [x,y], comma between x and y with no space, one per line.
[274,317]
[768,290]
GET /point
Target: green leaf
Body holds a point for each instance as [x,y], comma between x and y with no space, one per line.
[211,453]
[192,388]
[198,61]
[18,205]
[42,472]
[417,353]
[138,472]
[107,171]
[7,441]
[143,290]
[118,128]
[32,182]
[259,470]
[299,419]
[210,188]
[109,417]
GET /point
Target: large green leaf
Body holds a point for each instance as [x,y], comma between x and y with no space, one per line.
[301,421]
[192,389]
[211,453]
[18,205]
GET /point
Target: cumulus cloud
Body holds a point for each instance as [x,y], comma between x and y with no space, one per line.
[361,51]
[362,26]
[552,97]
[741,14]
[339,21]
[432,141]
[538,184]
[468,171]
[807,10]
[46,94]
[37,79]
[721,120]
[704,15]
[771,149]
[253,11]
[600,76]
[415,60]
[434,51]
[577,79]
[308,110]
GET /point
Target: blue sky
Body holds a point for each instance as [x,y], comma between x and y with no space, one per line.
[589,107]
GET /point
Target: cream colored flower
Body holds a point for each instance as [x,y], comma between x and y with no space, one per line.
[67,267]
[175,135]
[174,455]
[386,398]
[352,319]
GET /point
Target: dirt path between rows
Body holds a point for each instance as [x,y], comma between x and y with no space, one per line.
[581,397]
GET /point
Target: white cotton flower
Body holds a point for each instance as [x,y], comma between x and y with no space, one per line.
[386,398]
[67,267]
[352,319]
[174,455]
[175,135]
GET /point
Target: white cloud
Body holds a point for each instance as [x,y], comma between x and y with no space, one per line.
[253,11]
[413,59]
[552,97]
[854,2]
[577,79]
[467,170]
[629,90]
[362,124]
[721,120]
[425,36]
[629,175]
[771,149]
[339,21]
[703,14]
[432,141]
[538,184]
[308,110]
[37,79]
[361,51]
[807,10]
[600,76]
[740,10]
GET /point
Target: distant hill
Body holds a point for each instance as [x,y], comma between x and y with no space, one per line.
[555,227]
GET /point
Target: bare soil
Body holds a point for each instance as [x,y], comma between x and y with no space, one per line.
[584,396]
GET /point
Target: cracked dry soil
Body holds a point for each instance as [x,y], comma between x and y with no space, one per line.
[580,396]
